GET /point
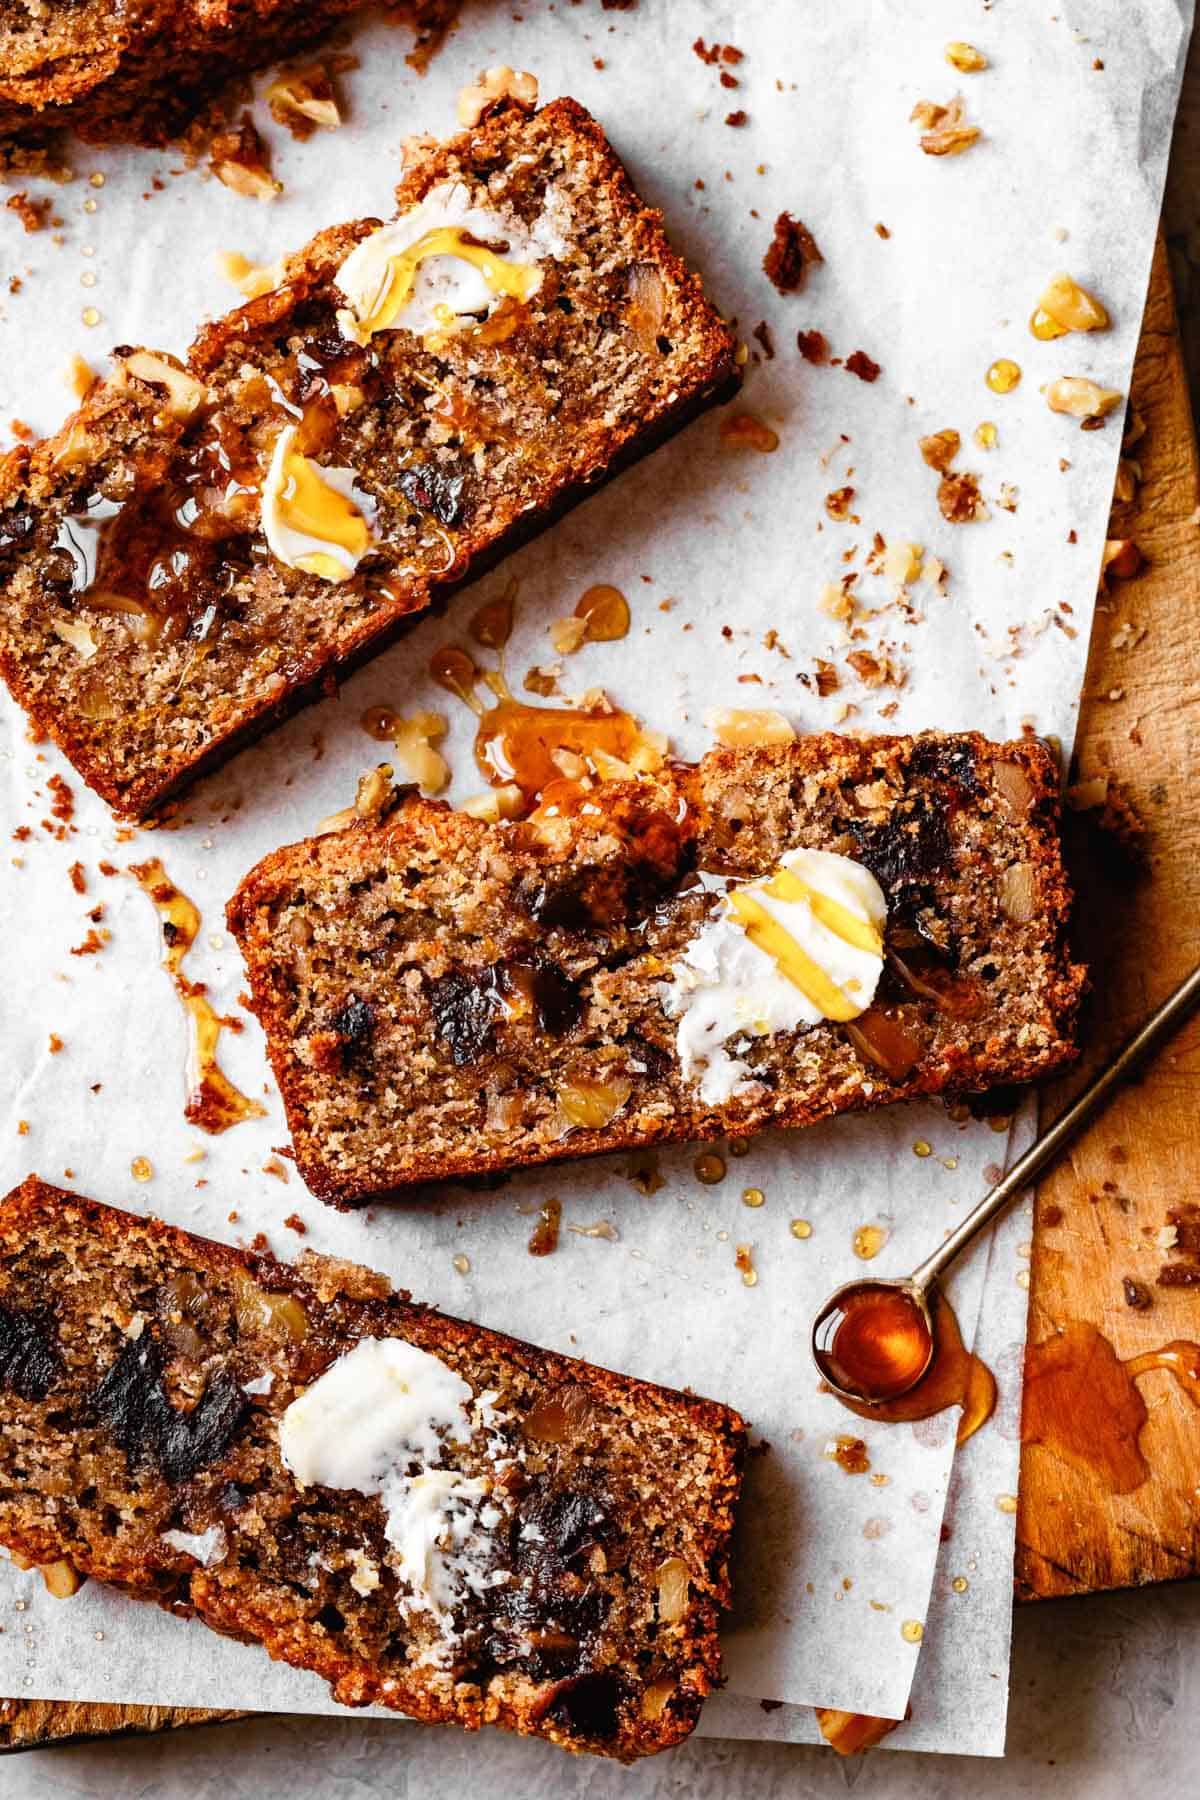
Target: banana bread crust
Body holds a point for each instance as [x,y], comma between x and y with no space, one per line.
[603,1637]
[384,960]
[152,667]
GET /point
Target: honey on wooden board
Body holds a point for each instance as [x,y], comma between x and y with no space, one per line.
[1082,1403]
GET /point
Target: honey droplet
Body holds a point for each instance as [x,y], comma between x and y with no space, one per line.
[89,206]
[912,1631]
[739,1147]
[96,180]
[752,1196]
[960,1584]
[492,624]
[985,435]
[922,1148]
[88,278]
[141,1168]
[709,1168]
[380,722]
[90,316]
[1003,375]
[1022,1278]
[1006,1503]
[800,1228]
[543,1239]
[869,1241]
[455,671]
[1001,1122]
[461,1264]
[1044,326]
[744,1263]
[605,612]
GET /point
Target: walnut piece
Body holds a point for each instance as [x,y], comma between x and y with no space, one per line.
[944,131]
[492,86]
[303,100]
[1081,398]
[736,727]
[239,160]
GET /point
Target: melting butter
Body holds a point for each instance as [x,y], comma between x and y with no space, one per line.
[314,518]
[446,260]
[784,952]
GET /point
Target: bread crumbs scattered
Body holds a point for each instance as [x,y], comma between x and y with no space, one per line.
[295,1223]
[260,1242]
[78,878]
[92,943]
[22,1127]
[860,364]
[32,213]
[812,346]
[56,1043]
[791,254]
[737,118]
[273,1166]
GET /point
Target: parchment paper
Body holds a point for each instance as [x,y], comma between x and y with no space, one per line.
[716,548]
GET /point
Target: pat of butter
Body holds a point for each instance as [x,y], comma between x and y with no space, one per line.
[314,518]
[385,1404]
[801,945]
[446,259]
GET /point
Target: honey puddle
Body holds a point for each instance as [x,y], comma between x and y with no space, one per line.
[1082,1403]
[550,753]
[955,1377]
[213,1102]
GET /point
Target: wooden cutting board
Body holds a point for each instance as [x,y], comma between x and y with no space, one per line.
[1098,1218]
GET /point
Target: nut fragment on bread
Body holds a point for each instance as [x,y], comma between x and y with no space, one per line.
[492,86]
[62,1578]
[185,395]
[303,100]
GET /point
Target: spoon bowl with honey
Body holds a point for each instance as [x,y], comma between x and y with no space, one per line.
[875,1340]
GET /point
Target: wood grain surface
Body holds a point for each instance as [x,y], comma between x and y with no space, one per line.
[1099,1215]
[1098,1218]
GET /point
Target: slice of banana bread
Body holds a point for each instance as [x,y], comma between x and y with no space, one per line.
[140,70]
[200,550]
[431,1516]
[768,937]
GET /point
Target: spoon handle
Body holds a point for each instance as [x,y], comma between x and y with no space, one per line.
[1040,1154]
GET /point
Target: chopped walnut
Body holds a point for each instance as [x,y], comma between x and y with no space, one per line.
[965,58]
[944,131]
[1081,398]
[959,499]
[736,727]
[490,88]
[875,669]
[939,449]
[742,431]
[566,635]
[902,563]
[239,160]
[837,503]
[812,346]
[303,100]
[790,255]
[827,678]
[1064,307]
[1121,560]
[32,213]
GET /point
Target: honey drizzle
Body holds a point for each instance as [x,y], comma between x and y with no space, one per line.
[535,748]
[955,1376]
[213,1102]
[1081,1402]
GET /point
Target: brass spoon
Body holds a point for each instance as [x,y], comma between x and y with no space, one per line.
[914,1290]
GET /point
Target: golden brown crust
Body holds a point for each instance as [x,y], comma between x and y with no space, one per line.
[98,1258]
[1004,1017]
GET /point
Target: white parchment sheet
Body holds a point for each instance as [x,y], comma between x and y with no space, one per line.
[716,548]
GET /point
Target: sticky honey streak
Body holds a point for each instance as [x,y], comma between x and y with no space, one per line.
[213,1103]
